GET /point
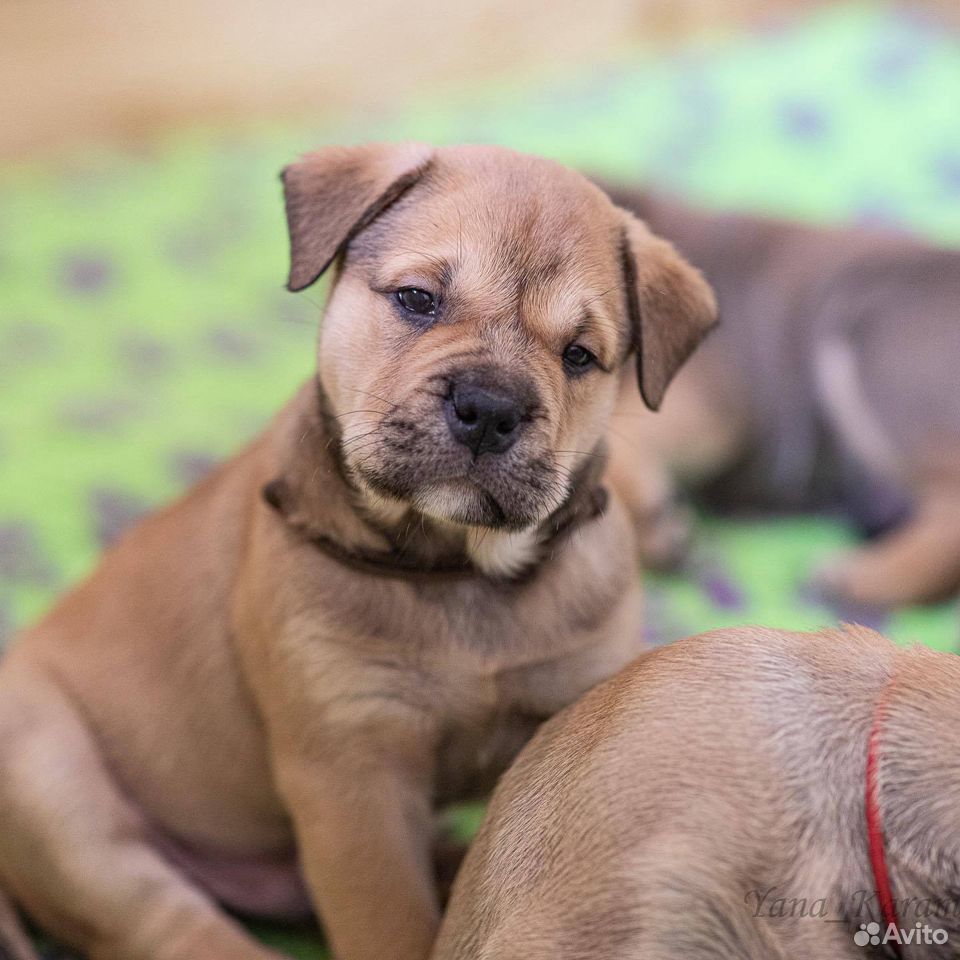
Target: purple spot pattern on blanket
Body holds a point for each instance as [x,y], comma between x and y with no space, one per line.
[803,121]
[233,345]
[708,570]
[196,248]
[87,273]
[114,511]
[21,558]
[723,592]
[898,55]
[189,467]
[98,414]
[144,355]
[947,171]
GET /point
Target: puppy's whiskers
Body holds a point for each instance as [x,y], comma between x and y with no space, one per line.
[351,443]
[583,453]
[351,456]
[368,393]
[350,413]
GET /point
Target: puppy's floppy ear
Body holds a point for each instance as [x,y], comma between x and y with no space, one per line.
[672,308]
[333,194]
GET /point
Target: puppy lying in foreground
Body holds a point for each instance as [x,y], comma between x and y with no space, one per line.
[832,381]
[367,612]
[712,801]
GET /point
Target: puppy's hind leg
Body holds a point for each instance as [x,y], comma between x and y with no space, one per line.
[915,563]
[73,850]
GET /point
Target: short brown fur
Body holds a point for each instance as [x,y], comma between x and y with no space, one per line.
[708,802]
[223,711]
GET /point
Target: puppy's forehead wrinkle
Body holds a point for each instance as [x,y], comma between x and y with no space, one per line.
[531,222]
[407,223]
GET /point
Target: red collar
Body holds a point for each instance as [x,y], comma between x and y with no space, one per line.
[878,855]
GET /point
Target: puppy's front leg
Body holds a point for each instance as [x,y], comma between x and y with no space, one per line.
[359,793]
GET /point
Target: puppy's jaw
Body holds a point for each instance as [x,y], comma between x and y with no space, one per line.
[468,504]
[496,553]
[410,460]
[449,502]
[459,500]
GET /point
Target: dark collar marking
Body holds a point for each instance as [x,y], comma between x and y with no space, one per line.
[580,508]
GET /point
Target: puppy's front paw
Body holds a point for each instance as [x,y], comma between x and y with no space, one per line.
[851,578]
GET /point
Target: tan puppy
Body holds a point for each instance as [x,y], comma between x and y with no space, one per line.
[832,382]
[257,687]
[709,802]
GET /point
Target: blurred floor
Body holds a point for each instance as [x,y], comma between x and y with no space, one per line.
[122,70]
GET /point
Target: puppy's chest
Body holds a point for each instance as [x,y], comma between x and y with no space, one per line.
[473,659]
[497,682]
[489,661]
[481,626]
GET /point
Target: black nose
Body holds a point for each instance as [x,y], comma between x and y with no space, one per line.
[482,419]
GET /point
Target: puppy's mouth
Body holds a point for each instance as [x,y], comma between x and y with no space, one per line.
[442,481]
[461,500]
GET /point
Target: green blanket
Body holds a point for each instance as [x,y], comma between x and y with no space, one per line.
[145,332]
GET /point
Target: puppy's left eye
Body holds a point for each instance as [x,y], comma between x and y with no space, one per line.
[415,300]
[577,359]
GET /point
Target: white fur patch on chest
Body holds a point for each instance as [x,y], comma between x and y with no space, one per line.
[502,553]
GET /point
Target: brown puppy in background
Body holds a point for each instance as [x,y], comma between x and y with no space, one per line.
[368,611]
[709,802]
[832,382]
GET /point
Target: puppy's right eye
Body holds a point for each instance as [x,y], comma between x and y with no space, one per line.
[414,300]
